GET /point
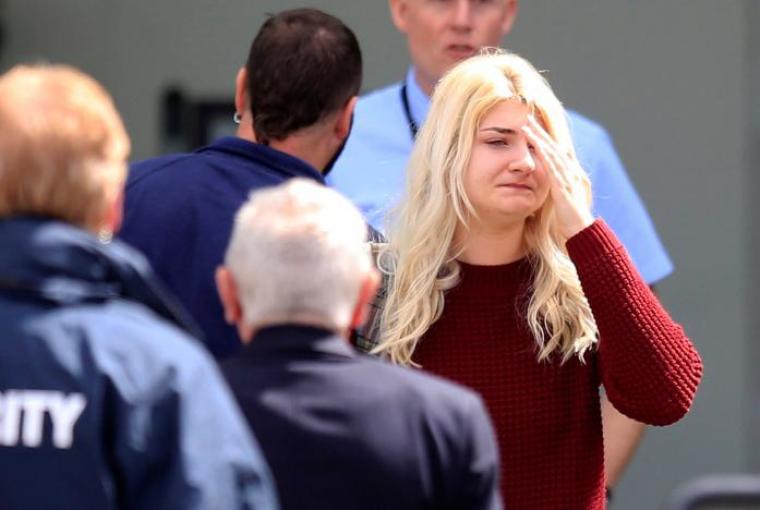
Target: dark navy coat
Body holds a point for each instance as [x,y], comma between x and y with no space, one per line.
[179,212]
[105,402]
[341,430]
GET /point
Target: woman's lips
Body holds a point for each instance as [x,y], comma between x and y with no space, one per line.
[516,185]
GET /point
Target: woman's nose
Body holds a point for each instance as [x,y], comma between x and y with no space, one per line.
[525,161]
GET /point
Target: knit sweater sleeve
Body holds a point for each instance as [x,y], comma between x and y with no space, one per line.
[649,368]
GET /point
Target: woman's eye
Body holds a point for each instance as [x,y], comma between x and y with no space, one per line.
[498,143]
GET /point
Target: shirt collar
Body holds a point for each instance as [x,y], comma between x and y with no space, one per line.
[294,338]
[261,154]
[419,102]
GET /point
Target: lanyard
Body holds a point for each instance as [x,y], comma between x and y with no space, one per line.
[408,112]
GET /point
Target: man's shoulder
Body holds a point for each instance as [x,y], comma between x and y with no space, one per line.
[616,199]
[379,110]
[159,170]
[169,192]
[586,131]
[380,98]
[376,379]
[119,340]
[149,356]
[429,392]
[142,333]
[371,170]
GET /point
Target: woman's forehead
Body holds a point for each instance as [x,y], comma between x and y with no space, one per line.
[509,113]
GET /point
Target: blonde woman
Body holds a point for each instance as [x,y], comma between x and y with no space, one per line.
[501,279]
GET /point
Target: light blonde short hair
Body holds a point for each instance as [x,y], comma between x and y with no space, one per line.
[63,146]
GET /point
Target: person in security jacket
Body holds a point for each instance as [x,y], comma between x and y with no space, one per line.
[106,400]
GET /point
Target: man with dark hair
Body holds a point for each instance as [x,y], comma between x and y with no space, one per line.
[294,99]
[299,71]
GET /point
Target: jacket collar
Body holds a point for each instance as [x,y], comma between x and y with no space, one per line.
[262,155]
[64,265]
[290,339]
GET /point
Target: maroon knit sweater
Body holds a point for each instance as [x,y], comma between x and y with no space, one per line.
[546,414]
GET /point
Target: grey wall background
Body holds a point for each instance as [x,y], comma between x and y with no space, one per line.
[673,81]
[753,152]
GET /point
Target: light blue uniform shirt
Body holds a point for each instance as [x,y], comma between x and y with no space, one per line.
[371,171]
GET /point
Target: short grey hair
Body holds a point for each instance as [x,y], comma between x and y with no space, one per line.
[298,255]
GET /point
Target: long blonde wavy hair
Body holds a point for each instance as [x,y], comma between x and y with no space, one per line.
[421,256]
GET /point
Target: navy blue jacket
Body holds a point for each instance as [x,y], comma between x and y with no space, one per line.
[341,430]
[179,212]
[105,402]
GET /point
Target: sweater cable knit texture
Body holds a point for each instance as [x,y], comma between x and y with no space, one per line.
[547,414]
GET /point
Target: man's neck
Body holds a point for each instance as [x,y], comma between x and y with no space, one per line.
[245,128]
[248,333]
[303,148]
[426,84]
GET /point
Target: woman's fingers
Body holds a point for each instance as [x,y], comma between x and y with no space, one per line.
[545,150]
[572,213]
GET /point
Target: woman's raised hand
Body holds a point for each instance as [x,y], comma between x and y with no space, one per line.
[564,174]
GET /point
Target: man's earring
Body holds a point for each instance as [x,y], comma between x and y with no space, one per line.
[236,118]
[105,236]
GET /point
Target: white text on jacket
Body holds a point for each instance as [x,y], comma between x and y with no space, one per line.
[31,405]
